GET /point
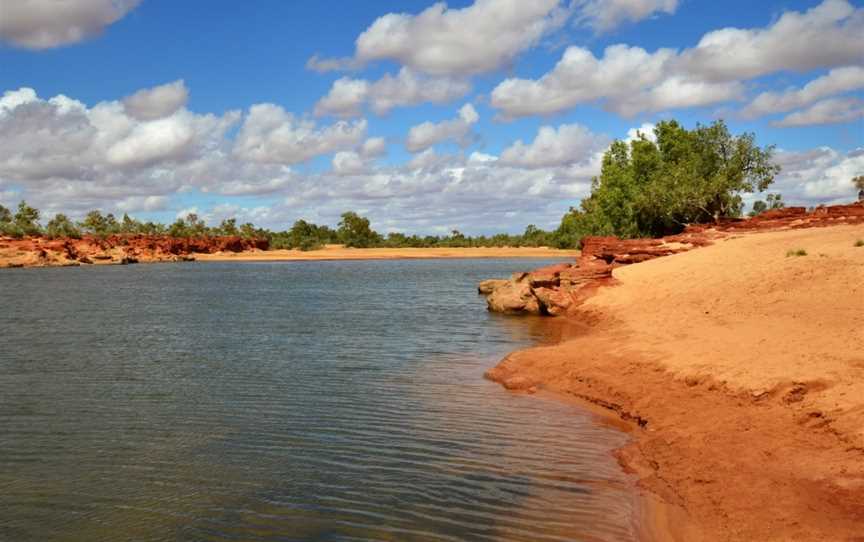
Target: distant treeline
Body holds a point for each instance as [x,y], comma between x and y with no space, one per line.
[353,230]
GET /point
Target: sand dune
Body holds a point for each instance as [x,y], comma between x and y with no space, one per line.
[745,369]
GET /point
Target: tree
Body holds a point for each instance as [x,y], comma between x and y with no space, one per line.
[5,215]
[26,220]
[775,201]
[654,188]
[354,231]
[229,227]
[94,222]
[858,182]
[60,226]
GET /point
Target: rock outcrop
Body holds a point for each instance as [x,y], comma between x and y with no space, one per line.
[559,289]
[116,249]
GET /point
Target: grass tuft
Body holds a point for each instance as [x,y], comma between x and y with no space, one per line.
[859,243]
[796,252]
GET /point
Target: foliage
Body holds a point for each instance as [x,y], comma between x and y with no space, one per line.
[61,226]
[858,182]
[652,188]
[775,201]
[796,252]
[355,231]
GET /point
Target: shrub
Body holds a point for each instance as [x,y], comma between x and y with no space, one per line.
[859,243]
[796,252]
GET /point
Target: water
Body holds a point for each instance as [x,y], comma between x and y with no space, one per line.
[320,401]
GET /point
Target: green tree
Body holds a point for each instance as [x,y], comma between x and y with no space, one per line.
[26,220]
[229,227]
[355,231]
[95,223]
[5,215]
[654,188]
[129,225]
[60,226]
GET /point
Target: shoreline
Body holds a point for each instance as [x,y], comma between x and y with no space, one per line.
[738,372]
[338,252]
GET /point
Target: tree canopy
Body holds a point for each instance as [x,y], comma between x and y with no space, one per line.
[654,187]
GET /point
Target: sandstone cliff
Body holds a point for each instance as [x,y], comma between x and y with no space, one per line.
[115,249]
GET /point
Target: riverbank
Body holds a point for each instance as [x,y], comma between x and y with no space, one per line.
[118,249]
[741,370]
[340,252]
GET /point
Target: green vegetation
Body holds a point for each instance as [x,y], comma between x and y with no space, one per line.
[796,252]
[353,230]
[774,201]
[858,182]
[654,189]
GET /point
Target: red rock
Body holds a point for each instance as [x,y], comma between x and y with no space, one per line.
[557,289]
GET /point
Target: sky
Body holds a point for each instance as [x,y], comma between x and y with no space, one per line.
[481,116]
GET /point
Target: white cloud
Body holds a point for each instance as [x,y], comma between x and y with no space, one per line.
[348,163]
[427,134]
[569,144]
[347,96]
[604,15]
[482,37]
[142,203]
[270,134]
[42,24]
[629,80]
[374,146]
[829,111]
[830,34]
[157,102]
[818,176]
[836,81]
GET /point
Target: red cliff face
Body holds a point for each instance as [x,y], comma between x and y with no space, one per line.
[116,249]
[560,288]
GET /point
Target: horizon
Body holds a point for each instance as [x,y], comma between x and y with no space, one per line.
[285,112]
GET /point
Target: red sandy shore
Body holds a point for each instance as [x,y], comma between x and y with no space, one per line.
[740,368]
[115,249]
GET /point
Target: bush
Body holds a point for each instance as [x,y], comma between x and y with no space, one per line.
[61,226]
[859,243]
[796,252]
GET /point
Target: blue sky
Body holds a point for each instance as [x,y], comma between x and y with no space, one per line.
[203,143]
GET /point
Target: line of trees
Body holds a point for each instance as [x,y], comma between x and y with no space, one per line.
[353,230]
[648,188]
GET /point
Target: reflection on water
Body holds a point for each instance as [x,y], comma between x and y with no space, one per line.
[286,401]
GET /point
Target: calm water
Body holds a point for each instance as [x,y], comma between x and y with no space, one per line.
[321,401]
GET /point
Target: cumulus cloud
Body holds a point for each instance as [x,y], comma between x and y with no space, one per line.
[568,144]
[836,81]
[629,80]
[829,111]
[157,102]
[423,136]
[818,176]
[270,134]
[347,96]
[829,34]
[42,24]
[66,154]
[604,15]
[479,38]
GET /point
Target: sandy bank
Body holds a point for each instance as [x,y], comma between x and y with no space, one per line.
[743,370]
[339,252]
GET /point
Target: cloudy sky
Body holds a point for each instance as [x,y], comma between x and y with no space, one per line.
[483,116]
